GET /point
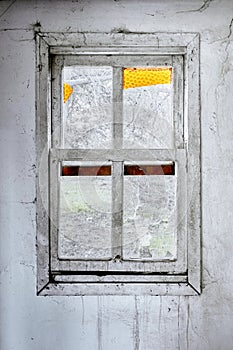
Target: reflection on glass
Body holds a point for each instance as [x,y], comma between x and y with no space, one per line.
[87,107]
[149,223]
[85,213]
[148,108]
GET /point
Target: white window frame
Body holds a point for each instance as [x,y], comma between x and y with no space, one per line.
[71,277]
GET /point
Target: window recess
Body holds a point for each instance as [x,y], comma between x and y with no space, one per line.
[122,173]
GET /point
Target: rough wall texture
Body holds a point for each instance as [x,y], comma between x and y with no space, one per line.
[104,323]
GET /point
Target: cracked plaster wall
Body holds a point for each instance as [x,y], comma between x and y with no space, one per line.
[104,323]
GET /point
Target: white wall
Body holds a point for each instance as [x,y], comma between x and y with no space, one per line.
[110,323]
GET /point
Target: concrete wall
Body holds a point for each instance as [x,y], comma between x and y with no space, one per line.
[110,323]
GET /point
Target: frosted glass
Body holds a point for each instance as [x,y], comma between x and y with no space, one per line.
[149,224]
[85,217]
[148,117]
[87,113]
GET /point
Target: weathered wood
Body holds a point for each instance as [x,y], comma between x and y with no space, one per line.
[161,41]
[42,146]
[54,213]
[117,210]
[118,289]
[120,278]
[158,156]
[117,60]
[194,164]
[165,265]
[119,50]
[117,108]
[178,101]
[181,202]
[56,127]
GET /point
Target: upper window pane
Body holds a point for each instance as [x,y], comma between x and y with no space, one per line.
[148,108]
[87,107]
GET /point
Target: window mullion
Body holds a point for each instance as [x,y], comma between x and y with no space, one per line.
[117,108]
[117,166]
[117,208]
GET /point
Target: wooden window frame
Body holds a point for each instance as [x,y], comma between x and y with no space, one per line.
[68,277]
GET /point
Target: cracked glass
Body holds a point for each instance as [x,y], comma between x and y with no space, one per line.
[148,204]
[149,219]
[85,211]
[87,107]
[148,108]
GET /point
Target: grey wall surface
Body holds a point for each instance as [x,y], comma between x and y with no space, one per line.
[109,323]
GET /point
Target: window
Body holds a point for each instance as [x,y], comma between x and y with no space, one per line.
[118,141]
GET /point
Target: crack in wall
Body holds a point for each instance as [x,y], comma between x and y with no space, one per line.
[7,9]
[190,327]
[225,66]
[83,311]
[230,29]
[178,323]
[84,39]
[204,7]
[99,323]
[187,326]
[28,202]
[227,37]
[160,314]
[136,326]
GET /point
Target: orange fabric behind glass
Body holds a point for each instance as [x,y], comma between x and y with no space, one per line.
[136,77]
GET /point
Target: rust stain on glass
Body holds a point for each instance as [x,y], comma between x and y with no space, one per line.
[136,77]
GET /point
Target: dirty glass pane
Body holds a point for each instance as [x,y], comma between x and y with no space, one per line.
[87,107]
[85,213]
[149,220]
[148,108]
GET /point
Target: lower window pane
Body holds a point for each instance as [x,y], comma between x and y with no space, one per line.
[149,221]
[85,215]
